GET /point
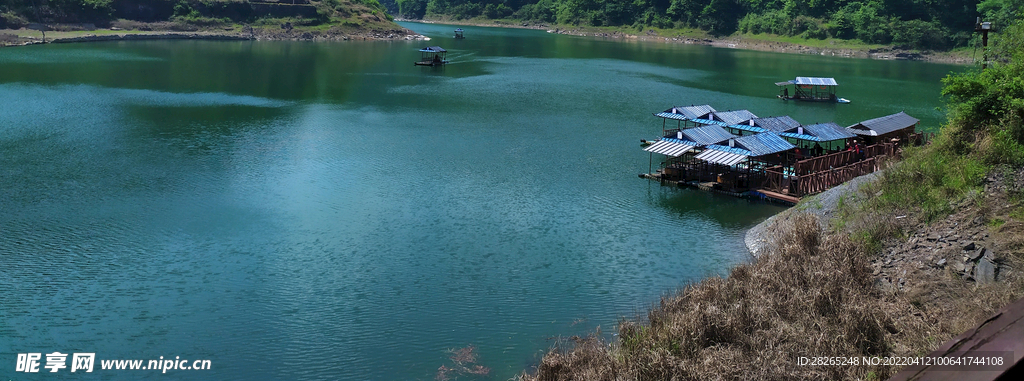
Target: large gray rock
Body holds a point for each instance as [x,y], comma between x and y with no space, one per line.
[985,272]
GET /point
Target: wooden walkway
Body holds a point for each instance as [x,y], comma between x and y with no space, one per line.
[779,196]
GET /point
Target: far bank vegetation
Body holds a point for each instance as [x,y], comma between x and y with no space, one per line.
[916,24]
[820,292]
[194,15]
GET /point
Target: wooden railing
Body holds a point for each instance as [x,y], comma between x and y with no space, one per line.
[823,172]
[808,176]
[842,158]
[822,181]
[775,179]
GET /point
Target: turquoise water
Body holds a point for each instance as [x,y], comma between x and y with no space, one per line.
[296,210]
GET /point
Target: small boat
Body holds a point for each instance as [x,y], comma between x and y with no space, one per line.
[432,56]
[812,89]
[458,34]
[842,100]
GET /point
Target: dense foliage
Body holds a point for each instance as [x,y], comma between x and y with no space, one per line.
[18,13]
[985,130]
[915,23]
[986,106]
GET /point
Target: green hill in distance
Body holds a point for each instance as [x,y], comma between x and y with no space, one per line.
[278,19]
[913,24]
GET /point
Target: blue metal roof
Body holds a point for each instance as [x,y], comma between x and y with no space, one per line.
[800,136]
[692,111]
[884,125]
[721,157]
[669,115]
[821,132]
[710,122]
[433,49]
[735,150]
[747,127]
[711,134]
[743,127]
[828,131]
[776,123]
[764,144]
[815,81]
[671,147]
[734,117]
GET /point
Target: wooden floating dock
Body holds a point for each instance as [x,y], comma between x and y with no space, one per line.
[715,187]
[779,196]
[774,159]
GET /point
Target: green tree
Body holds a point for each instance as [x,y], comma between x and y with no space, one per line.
[412,9]
[1000,12]
[991,102]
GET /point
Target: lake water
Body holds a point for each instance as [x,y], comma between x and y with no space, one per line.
[299,210]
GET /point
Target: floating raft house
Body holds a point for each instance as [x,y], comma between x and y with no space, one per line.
[432,56]
[809,89]
[775,158]
[458,34]
[896,126]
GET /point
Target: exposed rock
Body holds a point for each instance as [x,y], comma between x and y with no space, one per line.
[977,254]
[941,262]
[985,272]
[969,246]
[883,284]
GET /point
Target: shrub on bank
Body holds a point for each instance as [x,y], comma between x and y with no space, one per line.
[985,130]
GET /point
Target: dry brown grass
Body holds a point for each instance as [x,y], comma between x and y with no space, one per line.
[814,295]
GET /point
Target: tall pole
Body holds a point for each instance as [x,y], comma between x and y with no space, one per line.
[984,47]
[983,27]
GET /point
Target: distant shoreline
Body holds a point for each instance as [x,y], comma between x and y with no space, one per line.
[24,37]
[733,42]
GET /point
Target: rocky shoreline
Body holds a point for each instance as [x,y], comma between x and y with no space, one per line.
[884,53]
[823,205]
[264,34]
[8,38]
[968,245]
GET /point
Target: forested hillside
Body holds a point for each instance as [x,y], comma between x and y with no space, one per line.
[349,13]
[922,24]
